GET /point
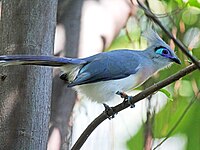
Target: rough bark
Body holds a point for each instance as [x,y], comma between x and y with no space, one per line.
[63,98]
[26,27]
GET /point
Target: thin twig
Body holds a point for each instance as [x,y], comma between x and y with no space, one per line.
[148,133]
[103,116]
[177,123]
[133,100]
[176,41]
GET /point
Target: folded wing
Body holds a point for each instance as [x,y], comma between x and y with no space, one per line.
[107,66]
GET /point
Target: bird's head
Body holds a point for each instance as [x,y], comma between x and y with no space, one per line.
[160,52]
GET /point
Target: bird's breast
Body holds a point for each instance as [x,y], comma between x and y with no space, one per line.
[106,90]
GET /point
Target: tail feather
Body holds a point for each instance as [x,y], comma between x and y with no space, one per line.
[38,60]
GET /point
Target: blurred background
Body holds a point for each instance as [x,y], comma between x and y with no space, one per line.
[104,25]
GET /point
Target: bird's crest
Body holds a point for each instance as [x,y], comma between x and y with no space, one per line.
[152,37]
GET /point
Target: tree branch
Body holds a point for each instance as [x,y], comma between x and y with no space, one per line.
[104,115]
[176,41]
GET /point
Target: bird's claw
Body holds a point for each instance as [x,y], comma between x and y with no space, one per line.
[109,109]
[129,101]
[122,94]
[126,98]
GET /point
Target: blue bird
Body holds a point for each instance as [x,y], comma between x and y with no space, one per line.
[100,76]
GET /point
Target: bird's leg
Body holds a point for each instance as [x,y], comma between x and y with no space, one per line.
[126,98]
[109,109]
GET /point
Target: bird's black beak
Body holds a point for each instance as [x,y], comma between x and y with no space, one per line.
[176,60]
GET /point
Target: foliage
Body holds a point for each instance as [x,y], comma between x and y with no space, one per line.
[182,18]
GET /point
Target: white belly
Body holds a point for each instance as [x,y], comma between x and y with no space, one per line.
[105,90]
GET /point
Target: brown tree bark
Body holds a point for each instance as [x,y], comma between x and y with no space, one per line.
[63,98]
[26,27]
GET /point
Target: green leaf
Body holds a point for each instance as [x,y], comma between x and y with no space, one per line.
[185,89]
[195,3]
[190,15]
[167,93]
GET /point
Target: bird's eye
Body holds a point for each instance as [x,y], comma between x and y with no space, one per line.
[165,52]
[162,51]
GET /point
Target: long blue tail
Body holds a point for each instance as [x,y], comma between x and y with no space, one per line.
[38,60]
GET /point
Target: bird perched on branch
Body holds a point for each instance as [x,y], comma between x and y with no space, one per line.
[100,76]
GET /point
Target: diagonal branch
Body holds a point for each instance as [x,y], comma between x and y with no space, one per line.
[176,41]
[104,115]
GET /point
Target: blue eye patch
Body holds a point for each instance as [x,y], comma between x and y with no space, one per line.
[163,52]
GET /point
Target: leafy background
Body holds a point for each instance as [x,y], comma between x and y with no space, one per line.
[182,18]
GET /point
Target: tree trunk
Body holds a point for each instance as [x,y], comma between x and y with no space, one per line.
[63,98]
[26,27]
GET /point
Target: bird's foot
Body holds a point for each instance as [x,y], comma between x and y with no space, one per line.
[109,111]
[126,98]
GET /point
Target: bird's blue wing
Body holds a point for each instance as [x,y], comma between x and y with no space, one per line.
[107,66]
